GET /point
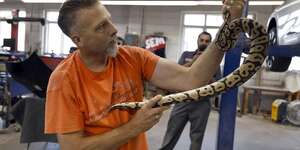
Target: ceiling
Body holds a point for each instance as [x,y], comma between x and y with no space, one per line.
[157,3]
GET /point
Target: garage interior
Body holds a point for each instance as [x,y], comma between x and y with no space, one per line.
[267,111]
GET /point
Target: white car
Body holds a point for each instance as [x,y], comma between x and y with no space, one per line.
[284,29]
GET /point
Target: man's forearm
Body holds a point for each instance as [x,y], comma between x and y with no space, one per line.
[206,65]
[109,140]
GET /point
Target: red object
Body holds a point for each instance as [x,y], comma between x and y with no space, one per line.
[154,43]
[15,28]
[51,62]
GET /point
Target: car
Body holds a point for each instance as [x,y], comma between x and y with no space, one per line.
[284,29]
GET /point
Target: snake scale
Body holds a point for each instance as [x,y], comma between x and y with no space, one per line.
[226,39]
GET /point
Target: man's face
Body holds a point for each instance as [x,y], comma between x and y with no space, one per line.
[94,31]
[203,40]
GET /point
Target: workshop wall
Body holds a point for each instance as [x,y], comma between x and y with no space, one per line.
[132,19]
[143,21]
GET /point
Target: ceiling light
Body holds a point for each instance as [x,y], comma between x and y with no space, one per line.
[162,3]
[1,0]
[43,1]
[266,2]
[183,3]
[152,3]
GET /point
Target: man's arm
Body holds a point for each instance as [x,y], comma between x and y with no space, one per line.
[143,120]
[109,140]
[189,64]
[171,76]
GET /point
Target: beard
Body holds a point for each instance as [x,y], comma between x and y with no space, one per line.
[112,51]
[202,47]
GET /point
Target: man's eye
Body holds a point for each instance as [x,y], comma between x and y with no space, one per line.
[101,27]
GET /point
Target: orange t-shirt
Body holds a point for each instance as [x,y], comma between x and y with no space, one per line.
[78,98]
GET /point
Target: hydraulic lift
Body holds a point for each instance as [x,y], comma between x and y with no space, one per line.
[228,106]
[284,50]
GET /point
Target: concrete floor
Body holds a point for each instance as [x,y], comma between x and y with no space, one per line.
[252,133]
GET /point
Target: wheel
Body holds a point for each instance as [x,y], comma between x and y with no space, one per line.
[276,64]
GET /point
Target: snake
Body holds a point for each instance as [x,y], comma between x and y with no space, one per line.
[225,40]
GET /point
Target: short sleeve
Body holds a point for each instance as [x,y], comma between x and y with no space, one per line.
[149,61]
[62,113]
[182,59]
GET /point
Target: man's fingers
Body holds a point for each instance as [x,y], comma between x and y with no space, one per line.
[158,116]
[152,102]
[234,2]
[160,110]
[234,7]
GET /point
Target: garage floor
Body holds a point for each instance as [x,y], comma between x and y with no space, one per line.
[252,133]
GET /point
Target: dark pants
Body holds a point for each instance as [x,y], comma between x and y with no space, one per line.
[197,113]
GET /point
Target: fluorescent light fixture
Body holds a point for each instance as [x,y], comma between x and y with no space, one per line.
[1,1]
[183,3]
[162,3]
[266,3]
[152,3]
[43,1]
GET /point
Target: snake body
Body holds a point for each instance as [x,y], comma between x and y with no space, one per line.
[226,39]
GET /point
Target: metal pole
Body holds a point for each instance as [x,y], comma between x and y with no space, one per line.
[15,28]
[225,140]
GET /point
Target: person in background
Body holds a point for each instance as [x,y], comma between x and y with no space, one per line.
[195,112]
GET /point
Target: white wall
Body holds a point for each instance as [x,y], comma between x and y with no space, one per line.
[133,19]
[169,19]
[120,16]
[142,21]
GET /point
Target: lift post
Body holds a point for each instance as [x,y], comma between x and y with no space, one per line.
[284,50]
[226,128]
[228,104]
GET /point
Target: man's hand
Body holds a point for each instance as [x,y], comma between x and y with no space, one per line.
[234,7]
[147,117]
[143,120]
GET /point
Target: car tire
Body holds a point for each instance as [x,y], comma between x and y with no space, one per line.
[274,63]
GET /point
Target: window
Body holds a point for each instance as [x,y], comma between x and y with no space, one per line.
[55,40]
[5,29]
[190,38]
[195,23]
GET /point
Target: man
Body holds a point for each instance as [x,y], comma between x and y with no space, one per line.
[99,74]
[196,112]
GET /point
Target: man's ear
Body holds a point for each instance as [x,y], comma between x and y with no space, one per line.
[76,40]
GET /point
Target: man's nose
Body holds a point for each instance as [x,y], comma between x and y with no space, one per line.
[113,30]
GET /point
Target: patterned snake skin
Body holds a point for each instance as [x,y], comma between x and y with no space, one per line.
[226,39]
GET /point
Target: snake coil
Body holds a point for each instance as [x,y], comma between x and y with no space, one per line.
[226,39]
